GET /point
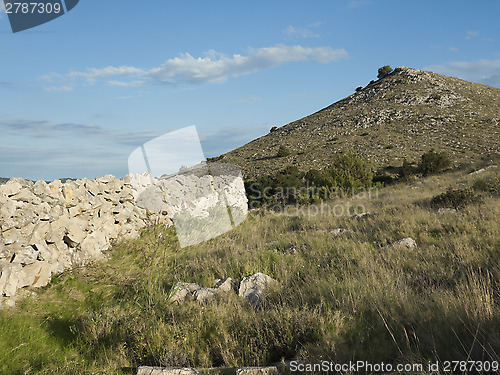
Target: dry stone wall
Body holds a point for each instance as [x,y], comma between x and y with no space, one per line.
[46,228]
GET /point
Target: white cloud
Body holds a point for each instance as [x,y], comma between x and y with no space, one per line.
[483,71]
[249,100]
[93,73]
[300,32]
[213,68]
[358,3]
[58,88]
[453,49]
[127,84]
[471,34]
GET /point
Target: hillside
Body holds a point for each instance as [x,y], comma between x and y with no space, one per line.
[402,115]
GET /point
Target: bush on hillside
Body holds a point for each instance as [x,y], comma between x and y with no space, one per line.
[383,71]
[433,162]
[454,198]
[489,184]
[406,170]
[283,151]
[348,172]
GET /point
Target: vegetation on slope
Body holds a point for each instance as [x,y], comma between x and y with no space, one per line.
[401,115]
[351,296]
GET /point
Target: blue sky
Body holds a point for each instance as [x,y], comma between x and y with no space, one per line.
[80,93]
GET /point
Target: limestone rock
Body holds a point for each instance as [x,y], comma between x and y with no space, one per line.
[252,288]
[36,274]
[69,192]
[93,245]
[147,370]
[4,253]
[204,295]
[226,285]
[270,370]
[26,255]
[75,232]
[184,292]
[9,278]
[407,242]
[11,188]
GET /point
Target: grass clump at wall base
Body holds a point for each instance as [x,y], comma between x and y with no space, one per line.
[347,297]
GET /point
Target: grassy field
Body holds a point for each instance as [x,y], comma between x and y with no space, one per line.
[339,298]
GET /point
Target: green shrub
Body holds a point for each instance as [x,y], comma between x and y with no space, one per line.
[283,151]
[490,185]
[454,198]
[405,171]
[383,71]
[433,162]
[273,129]
[347,172]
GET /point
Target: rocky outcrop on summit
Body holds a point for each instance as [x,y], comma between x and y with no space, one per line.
[402,115]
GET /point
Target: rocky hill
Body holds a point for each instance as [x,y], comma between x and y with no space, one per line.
[401,115]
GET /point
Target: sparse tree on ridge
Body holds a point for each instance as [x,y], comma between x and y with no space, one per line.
[383,71]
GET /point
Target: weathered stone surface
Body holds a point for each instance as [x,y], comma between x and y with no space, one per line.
[227,285]
[270,370]
[36,274]
[4,253]
[184,292]
[11,188]
[152,199]
[204,295]
[26,196]
[407,242]
[69,192]
[9,279]
[40,188]
[75,230]
[12,235]
[26,255]
[93,245]
[147,370]
[252,288]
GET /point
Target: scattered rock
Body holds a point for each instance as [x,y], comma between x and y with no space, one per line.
[227,285]
[443,211]
[334,232]
[407,242]
[271,370]
[252,288]
[204,295]
[147,370]
[483,169]
[362,215]
[184,292]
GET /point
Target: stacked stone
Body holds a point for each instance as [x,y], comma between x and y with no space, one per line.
[49,227]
